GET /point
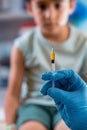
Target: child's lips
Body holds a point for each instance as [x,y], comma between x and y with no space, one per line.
[50,25]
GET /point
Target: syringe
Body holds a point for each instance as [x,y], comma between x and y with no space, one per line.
[52,58]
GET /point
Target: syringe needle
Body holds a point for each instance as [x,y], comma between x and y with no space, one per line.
[52,57]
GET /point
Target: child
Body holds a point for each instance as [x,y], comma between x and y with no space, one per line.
[30,58]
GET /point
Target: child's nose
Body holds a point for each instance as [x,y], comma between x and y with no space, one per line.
[50,13]
[47,13]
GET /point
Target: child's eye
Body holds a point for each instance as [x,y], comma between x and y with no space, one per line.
[42,6]
[60,5]
[57,5]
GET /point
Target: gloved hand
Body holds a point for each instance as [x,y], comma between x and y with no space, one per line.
[70,96]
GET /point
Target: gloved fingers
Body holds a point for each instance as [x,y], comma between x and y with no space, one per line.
[54,75]
[67,79]
[48,84]
[62,74]
[59,95]
[45,87]
[63,84]
[47,76]
[57,75]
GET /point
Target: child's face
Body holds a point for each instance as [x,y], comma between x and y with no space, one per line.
[51,15]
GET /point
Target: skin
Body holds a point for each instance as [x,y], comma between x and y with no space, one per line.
[51,16]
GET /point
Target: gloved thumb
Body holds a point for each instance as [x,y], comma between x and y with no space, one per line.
[59,95]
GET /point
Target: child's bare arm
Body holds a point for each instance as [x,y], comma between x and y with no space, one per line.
[14,85]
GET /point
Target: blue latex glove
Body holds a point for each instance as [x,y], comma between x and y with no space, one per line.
[70,96]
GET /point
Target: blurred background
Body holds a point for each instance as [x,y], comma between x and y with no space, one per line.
[14,20]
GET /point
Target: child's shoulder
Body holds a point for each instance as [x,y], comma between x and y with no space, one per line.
[25,41]
[29,34]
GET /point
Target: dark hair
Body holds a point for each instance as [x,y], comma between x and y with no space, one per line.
[27,0]
[30,0]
